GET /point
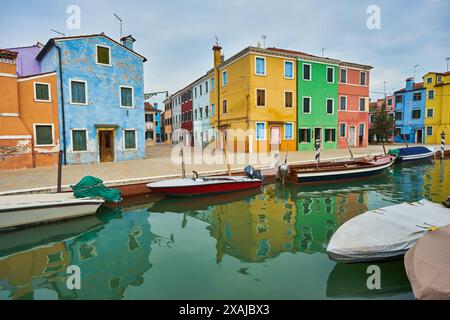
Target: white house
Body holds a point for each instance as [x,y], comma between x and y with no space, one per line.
[202,109]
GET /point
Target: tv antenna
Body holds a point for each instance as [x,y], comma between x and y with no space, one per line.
[415,69]
[264,37]
[323,52]
[448,59]
[121,24]
[60,33]
[217,40]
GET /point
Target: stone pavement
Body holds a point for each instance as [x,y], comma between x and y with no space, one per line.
[158,166]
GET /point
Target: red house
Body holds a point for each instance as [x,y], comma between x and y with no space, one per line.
[186,113]
[353,105]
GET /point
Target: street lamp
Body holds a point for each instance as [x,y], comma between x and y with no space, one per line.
[153,94]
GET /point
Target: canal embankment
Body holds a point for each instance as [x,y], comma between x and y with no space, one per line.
[132,176]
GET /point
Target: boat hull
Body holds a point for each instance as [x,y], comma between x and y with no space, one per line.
[206,189]
[339,175]
[418,157]
[26,216]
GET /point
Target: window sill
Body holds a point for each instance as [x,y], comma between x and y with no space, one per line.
[45,145]
[130,149]
[103,64]
[125,107]
[42,101]
[78,104]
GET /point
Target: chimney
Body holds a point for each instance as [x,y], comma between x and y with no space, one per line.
[409,83]
[128,41]
[8,62]
[217,55]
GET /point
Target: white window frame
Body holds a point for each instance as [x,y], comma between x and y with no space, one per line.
[426,131]
[224,84]
[256,98]
[265,131]
[359,104]
[96,55]
[439,79]
[293,130]
[286,91]
[339,128]
[35,135]
[224,100]
[429,80]
[428,94]
[432,113]
[326,106]
[346,75]
[359,131]
[135,139]
[86,90]
[365,78]
[303,105]
[87,141]
[326,75]
[256,66]
[340,103]
[303,71]
[49,86]
[293,69]
[133,106]
[415,109]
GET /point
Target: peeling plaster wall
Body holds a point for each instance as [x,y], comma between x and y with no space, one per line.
[103,86]
[15,154]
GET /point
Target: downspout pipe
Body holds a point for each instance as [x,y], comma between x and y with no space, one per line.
[62,105]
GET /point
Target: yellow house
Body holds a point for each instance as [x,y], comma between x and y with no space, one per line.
[254,91]
[437,106]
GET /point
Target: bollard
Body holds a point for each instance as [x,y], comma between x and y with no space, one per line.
[442,145]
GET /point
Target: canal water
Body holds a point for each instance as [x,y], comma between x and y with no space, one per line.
[269,244]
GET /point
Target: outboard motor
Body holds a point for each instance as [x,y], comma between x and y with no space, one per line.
[252,173]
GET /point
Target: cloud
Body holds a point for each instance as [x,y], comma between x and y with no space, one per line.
[177,36]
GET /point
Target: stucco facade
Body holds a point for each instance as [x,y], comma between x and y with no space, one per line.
[437,106]
[201,111]
[96,111]
[353,106]
[316,121]
[409,113]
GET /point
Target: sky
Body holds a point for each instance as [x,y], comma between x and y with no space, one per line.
[177,36]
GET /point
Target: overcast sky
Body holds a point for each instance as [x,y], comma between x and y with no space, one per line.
[177,36]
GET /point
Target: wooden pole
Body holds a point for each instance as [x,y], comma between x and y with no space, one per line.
[183,166]
[59,179]
[349,149]
[406,142]
[225,149]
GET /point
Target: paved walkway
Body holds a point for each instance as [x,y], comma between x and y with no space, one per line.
[158,166]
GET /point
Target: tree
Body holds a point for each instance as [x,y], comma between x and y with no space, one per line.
[383,125]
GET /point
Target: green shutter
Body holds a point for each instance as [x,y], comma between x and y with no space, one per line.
[103,55]
[42,92]
[130,139]
[44,135]
[79,140]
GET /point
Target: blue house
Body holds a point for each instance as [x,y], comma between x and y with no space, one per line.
[410,113]
[101,97]
[153,123]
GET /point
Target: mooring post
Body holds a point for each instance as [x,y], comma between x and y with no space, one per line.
[317,147]
[58,183]
[442,145]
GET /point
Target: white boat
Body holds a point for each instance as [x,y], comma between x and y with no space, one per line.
[413,153]
[386,233]
[23,210]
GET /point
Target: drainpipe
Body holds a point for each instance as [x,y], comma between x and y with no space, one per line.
[62,105]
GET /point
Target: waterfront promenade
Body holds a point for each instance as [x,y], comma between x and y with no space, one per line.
[157,166]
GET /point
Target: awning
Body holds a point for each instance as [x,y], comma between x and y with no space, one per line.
[109,126]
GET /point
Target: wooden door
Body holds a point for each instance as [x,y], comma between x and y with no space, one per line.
[106,145]
[419,136]
[352,136]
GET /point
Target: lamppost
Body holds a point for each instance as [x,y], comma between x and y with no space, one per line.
[153,94]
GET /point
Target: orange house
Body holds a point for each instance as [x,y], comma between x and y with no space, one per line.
[353,108]
[28,117]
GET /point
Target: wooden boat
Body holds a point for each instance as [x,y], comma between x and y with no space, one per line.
[413,153]
[204,186]
[386,233]
[340,170]
[23,210]
[427,265]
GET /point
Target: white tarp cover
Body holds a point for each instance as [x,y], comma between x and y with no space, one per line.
[387,232]
[427,265]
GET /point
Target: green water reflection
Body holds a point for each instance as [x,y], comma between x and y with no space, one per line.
[269,244]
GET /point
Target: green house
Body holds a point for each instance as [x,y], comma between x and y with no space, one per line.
[317,103]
